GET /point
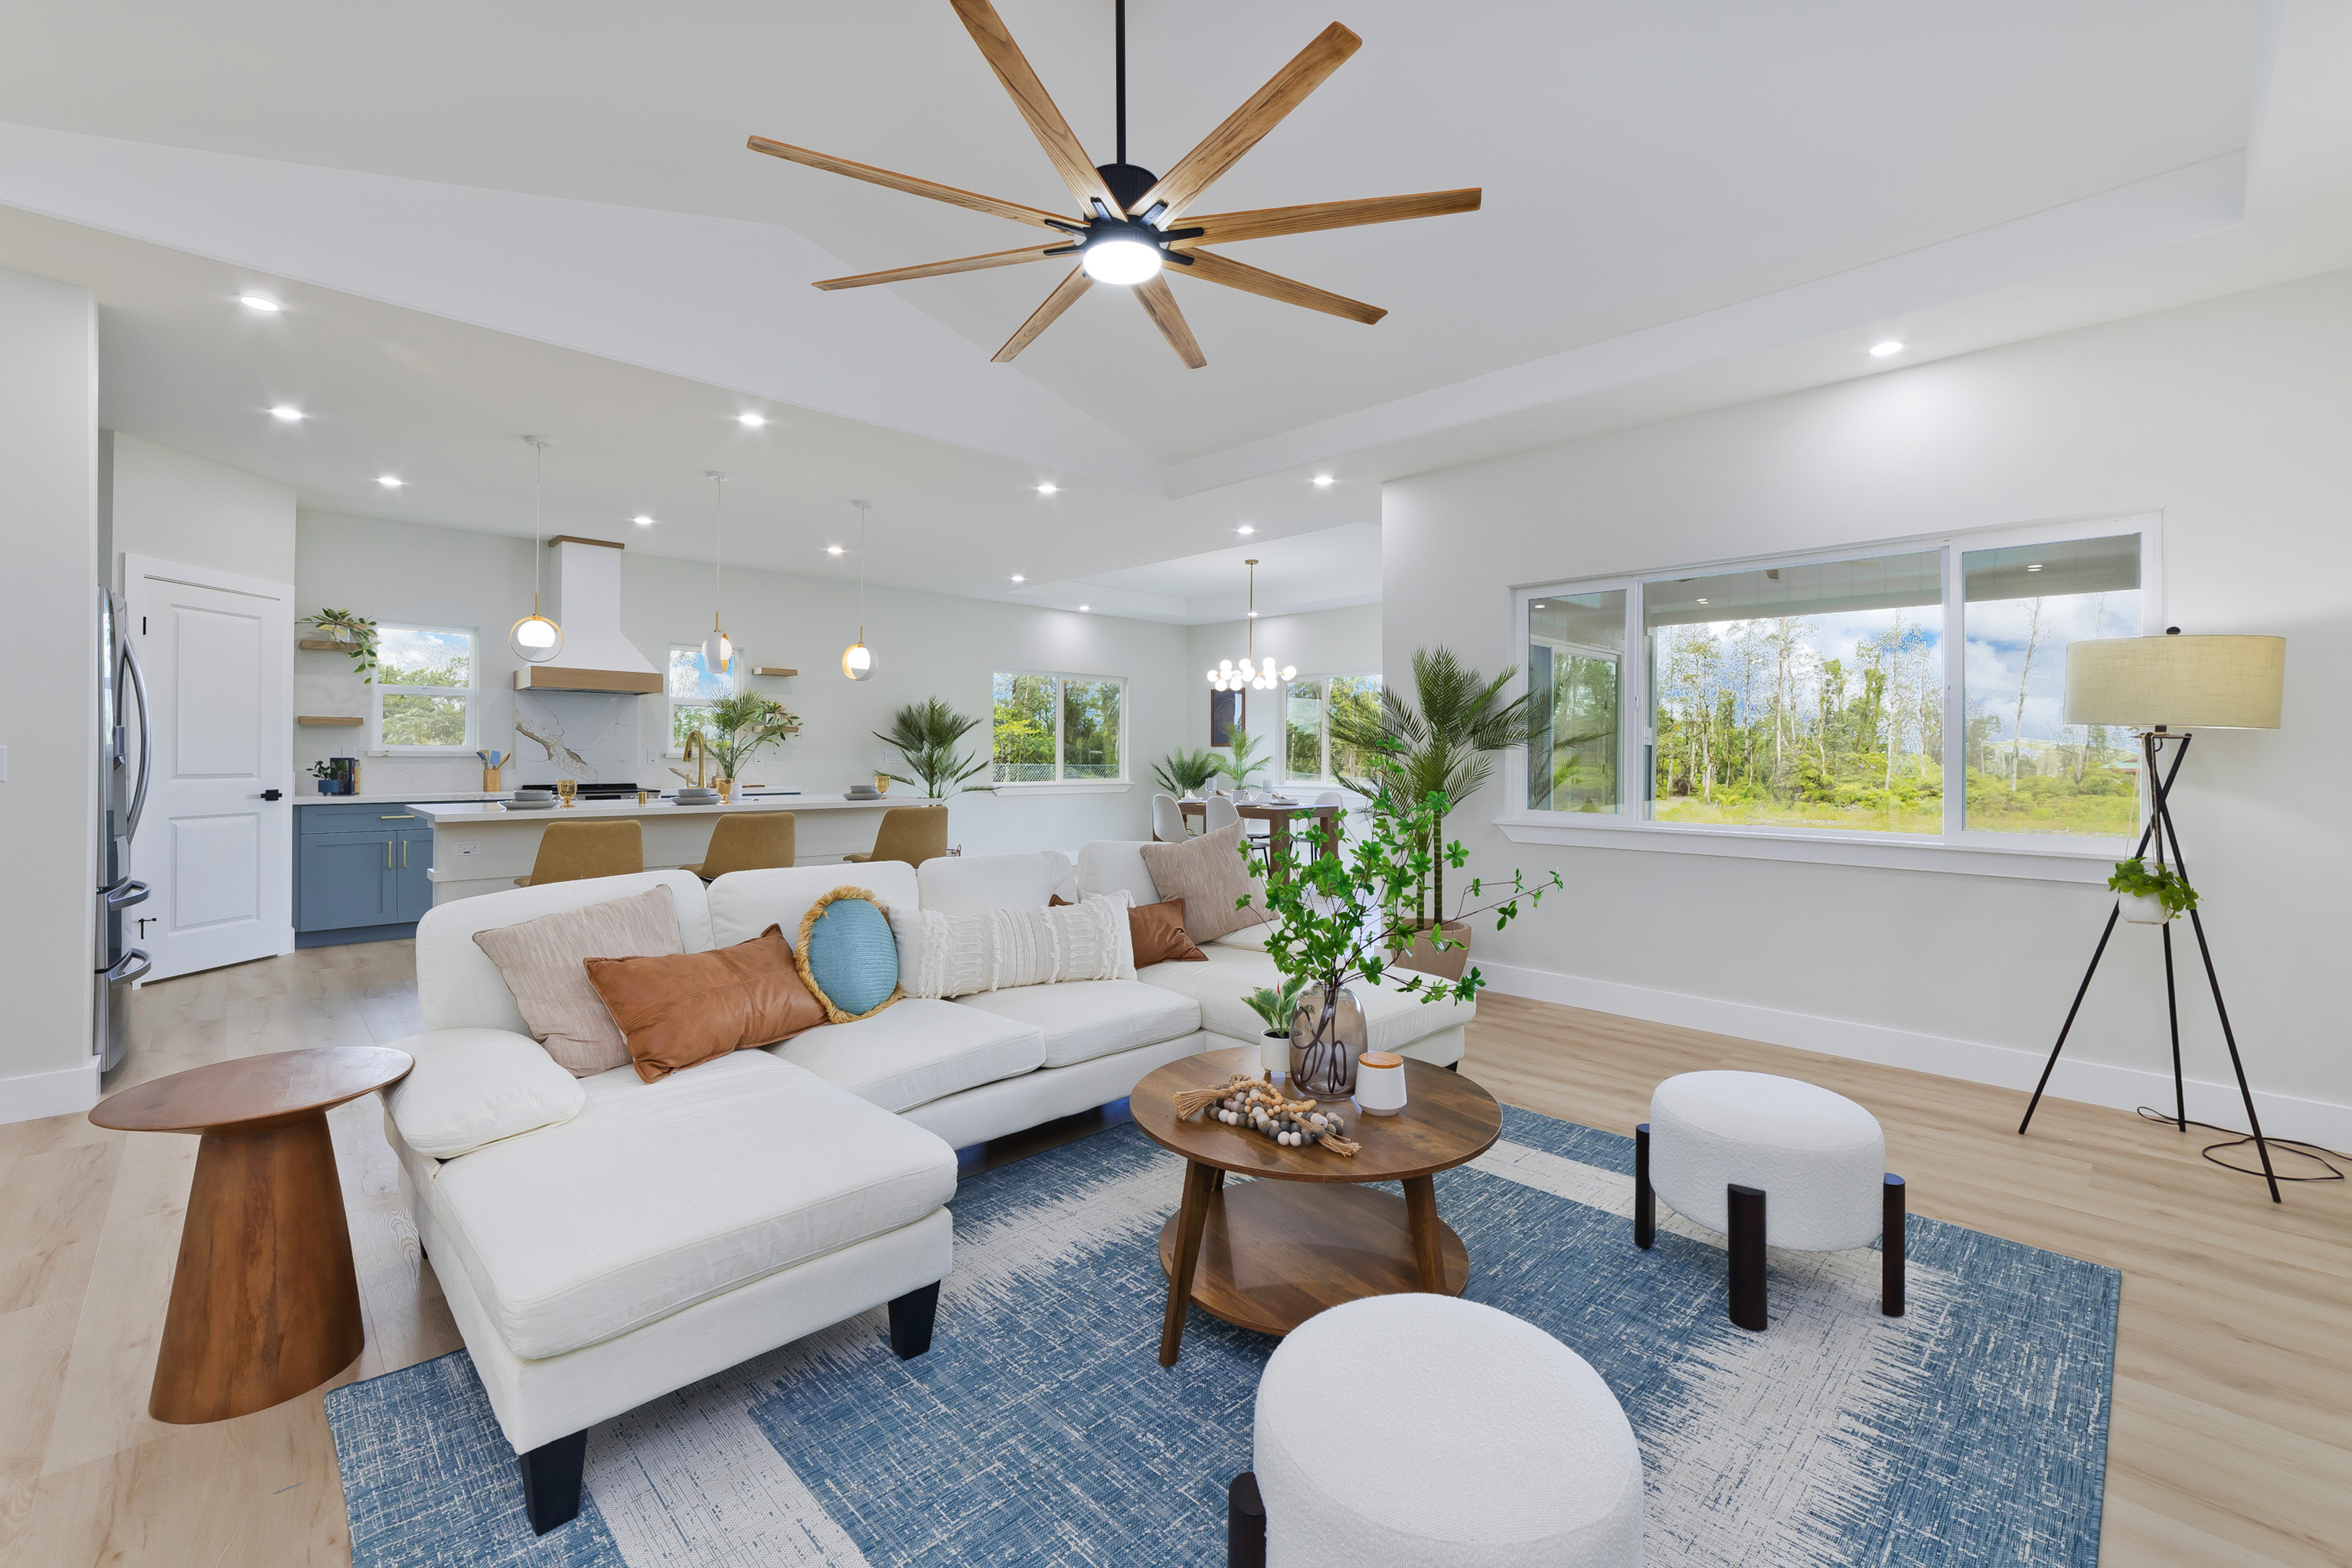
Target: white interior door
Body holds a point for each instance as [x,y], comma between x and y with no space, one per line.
[215,841]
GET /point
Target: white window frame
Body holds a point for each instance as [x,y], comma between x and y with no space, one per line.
[2034,857]
[671,705]
[471,692]
[1282,758]
[1058,784]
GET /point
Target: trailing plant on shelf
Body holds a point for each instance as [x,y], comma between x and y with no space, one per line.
[1240,759]
[2136,878]
[355,634]
[1186,772]
[735,729]
[925,733]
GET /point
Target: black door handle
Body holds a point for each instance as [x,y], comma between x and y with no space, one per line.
[272,795]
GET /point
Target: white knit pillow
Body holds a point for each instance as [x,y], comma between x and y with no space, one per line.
[945,955]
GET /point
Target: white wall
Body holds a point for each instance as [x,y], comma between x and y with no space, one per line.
[2231,418]
[1319,642]
[926,645]
[49,720]
[176,507]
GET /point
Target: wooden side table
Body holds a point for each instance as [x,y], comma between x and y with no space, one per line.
[264,1300]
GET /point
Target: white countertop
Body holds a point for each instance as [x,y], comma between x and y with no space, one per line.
[402,797]
[481,811]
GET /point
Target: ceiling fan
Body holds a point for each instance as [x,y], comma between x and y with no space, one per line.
[1129,229]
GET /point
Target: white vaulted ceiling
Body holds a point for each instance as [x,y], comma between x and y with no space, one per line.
[1685,204]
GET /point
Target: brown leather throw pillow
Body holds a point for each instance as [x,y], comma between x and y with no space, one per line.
[689,1007]
[1158,933]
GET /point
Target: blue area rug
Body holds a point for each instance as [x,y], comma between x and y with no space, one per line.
[1042,1429]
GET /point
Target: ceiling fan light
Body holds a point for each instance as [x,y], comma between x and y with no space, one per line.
[1121,261]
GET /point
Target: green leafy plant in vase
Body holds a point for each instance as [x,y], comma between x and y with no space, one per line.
[735,729]
[356,634]
[925,733]
[1336,917]
[2151,894]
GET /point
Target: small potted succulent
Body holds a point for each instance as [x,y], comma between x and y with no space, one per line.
[1277,1007]
[2151,895]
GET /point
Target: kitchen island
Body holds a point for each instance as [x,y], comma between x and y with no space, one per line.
[481,847]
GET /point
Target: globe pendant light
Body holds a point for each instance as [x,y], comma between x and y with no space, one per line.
[718,652]
[534,638]
[1250,676]
[857,659]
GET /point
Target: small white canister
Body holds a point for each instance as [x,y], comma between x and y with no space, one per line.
[1380,1083]
[1274,1054]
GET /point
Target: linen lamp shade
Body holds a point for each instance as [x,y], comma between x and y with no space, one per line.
[2176,682]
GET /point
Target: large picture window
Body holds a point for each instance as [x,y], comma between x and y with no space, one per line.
[425,688]
[1913,692]
[1058,729]
[1312,706]
[692,687]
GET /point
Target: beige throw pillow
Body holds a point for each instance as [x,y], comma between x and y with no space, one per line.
[1210,875]
[545,965]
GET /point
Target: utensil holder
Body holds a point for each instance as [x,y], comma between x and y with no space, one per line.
[491,784]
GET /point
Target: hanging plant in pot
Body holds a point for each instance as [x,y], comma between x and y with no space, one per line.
[2151,895]
[355,634]
[1334,917]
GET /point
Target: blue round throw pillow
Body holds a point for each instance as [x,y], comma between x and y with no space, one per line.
[848,956]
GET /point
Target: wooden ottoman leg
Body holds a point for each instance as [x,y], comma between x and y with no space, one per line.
[551,1481]
[1245,1523]
[1645,1197]
[911,1321]
[1890,1284]
[1746,1220]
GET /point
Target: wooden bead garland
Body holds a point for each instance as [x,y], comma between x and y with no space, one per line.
[1252,1102]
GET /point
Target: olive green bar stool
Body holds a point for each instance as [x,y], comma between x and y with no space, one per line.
[571,852]
[747,841]
[910,833]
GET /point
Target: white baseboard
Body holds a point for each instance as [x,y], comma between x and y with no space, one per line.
[68,1091]
[2094,1083]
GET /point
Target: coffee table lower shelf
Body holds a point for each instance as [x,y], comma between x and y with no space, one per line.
[1275,1253]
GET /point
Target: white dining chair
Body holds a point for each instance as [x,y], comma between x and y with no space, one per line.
[1167,819]
[1221,813]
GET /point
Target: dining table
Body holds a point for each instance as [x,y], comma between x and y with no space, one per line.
[1278,817]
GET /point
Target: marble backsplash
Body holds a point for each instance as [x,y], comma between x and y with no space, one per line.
[589,736]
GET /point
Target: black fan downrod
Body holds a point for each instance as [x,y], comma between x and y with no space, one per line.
[1127,182]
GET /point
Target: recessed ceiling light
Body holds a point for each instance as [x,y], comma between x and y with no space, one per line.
[751,421]
[1084,608]
[642,520]
[1537,606]
[267,305]
[1245,528]
[2036,566]
[1881,350]
[1702,601]
[287,412]
[832,549]
[1322,480]
[1049,488]
[1252,615]
[389,481]
[1018,578]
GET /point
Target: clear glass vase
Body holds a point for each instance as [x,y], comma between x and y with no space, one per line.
[1326,1034]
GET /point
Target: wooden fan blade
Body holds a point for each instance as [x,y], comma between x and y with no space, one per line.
[1029,95]
[936,268]
[1160,306]
[907,182]
[1210,267]
[1223,229]
[1064,294]
[1182,185]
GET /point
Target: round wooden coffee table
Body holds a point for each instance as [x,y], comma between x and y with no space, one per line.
[1270,1254]
[265,1301]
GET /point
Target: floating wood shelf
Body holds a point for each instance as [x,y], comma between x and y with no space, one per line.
[772,669]
[326,719]
[325,644]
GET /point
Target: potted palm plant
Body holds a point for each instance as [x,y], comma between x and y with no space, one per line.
[1240,759]
[736,728]
[1442,745]
[1186,775]
[925,733]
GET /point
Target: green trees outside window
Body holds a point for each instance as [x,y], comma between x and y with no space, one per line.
[1049,728]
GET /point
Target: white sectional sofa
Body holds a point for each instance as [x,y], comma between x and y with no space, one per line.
[603,1241]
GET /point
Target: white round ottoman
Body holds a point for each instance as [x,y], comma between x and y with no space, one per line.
[1768,1161]
[1431,1431]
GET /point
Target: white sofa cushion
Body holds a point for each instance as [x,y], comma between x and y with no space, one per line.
[473,1087]
[659,1195]
[949,956]
[1116,865]
[974,884]
[913,1051]
[458,987]
[1392,1021]
[1083,1019]
[745,903]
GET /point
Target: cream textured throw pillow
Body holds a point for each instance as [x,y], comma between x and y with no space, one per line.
[1209,874]
[545,964]
[945,955]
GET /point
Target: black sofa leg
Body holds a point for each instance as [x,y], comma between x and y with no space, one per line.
[1747,1219]
[1245,1523]
[911,1321]
[1645,1198]
[551,1481]
[1890,1282]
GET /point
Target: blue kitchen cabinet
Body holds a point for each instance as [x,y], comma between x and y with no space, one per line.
[360,873]
[413,858]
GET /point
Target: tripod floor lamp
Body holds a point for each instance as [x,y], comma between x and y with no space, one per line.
[2168,687]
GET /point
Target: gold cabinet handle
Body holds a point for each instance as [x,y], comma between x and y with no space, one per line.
[404,854]
[387,854]
[398,816]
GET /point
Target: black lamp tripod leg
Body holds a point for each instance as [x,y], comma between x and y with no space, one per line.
[2172,1011]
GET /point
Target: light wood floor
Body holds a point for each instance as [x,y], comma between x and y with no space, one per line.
[2231,1443]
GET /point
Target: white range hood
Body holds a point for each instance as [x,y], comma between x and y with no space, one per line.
[595,657]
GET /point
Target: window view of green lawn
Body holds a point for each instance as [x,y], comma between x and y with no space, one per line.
[423,678]
[1047,728]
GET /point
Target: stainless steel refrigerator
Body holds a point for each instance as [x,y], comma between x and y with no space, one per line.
[120,799]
